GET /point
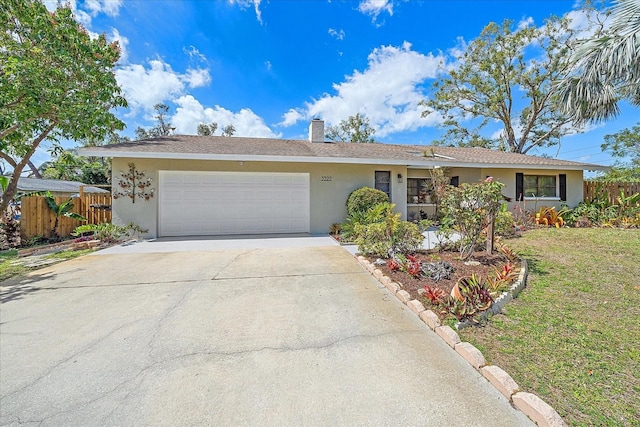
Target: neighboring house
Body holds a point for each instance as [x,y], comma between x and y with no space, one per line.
[212,185]
[55,187]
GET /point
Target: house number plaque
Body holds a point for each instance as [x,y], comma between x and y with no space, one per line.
[326,178]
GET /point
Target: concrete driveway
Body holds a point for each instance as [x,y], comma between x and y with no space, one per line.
[252,336]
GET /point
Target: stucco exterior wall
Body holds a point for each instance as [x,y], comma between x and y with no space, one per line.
[468,175]
[575,188]
[330,185]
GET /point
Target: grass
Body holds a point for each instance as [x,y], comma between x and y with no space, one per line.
[573,335]
[9,268]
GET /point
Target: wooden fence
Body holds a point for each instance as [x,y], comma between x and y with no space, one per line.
[37,219]
[598,190]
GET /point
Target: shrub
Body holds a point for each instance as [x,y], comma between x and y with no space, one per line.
[591,213]
[504,224]
[363,199]
[468,207]
[108,232]
[389,236]
[375,214]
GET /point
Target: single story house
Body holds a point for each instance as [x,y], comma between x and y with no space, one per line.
[214,185]
[55,187]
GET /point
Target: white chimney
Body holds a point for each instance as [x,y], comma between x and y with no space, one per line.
[316,130]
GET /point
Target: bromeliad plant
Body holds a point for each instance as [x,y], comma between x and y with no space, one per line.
[548,216]
[411,265]
[472,295]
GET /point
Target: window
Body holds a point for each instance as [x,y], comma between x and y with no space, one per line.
[540,186]
[418,190]
[383,182]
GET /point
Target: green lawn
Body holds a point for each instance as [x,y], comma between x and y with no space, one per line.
[8,267]
[573,335]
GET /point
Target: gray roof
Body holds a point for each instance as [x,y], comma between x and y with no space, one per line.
[290,150]
[35,184]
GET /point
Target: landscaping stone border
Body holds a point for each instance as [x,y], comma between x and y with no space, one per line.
[505,298]
[531,405]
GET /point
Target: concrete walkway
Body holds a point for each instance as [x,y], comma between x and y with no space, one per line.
[261,336]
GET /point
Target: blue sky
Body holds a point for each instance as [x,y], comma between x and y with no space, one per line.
[268,67]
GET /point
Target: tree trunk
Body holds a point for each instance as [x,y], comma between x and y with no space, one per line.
[490,234]
[10,192]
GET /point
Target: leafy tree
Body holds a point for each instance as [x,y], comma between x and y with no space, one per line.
[162,128]
[68,165]
[605,68]
[625,143]
[207,129]
[354,129]
[228,130]
[57,83]
[71,167]
[469,208]
[499,79]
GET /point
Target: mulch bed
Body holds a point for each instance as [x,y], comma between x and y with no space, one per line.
[411,284]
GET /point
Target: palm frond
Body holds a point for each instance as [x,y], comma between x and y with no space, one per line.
[605,69]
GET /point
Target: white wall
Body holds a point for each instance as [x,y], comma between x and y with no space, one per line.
[330,184]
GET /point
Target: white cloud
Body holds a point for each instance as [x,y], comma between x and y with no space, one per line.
[268,65]
[525,23]
[108,7]
[89,9]
[337,34]
[123,41]
[376,7]
[291,117]
[145,87]
[585,22]
[190,113]
[197,77]
[387,92]
[247,3]
[194,54]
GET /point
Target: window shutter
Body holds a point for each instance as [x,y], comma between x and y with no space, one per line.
[519,186]
[563,187]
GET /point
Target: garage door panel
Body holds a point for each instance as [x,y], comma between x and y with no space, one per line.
[214,203]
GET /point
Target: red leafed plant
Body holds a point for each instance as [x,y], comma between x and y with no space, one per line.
[413,266]
[393,265]
[435,295]
[507,273]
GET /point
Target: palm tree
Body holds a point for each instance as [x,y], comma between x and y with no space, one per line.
[605,69]
[60,210]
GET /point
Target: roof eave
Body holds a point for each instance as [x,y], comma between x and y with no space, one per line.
[428,163]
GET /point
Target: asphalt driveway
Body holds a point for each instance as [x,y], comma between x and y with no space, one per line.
[251,336]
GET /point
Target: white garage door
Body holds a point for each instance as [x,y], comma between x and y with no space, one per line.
[217,203]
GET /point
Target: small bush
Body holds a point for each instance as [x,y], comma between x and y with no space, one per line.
[590,213]
[377,213]
[363,199]
[504,224]
[389,236]
[108,232]
[467,208]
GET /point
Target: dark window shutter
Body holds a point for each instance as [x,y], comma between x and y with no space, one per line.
[519,186]
[563,187]
[455,181]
